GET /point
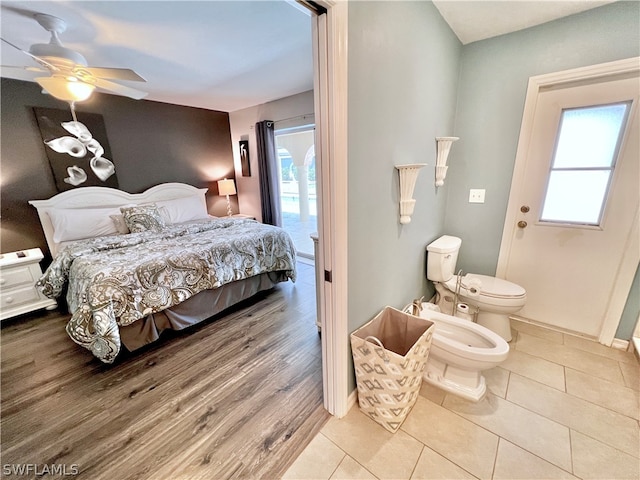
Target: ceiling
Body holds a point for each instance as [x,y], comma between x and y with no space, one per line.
[225,55]
[474,20]
[211,54]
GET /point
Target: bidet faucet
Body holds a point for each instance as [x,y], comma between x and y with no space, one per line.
[457,292]
[416,306]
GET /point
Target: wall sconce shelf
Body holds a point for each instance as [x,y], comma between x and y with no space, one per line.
[443,148]
[408,175]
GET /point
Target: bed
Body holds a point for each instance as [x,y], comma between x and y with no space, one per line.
[133,265]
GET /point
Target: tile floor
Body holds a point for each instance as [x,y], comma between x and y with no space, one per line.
[559,407]
[300,231]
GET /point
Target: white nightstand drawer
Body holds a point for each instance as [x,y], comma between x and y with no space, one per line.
[19,272]
[18,297]
[20,275]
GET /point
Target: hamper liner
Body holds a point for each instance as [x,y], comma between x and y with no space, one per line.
[389,355]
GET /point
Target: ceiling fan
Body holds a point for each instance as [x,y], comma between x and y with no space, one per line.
[70,78]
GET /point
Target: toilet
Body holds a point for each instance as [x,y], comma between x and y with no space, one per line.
[492,298]
[460,351]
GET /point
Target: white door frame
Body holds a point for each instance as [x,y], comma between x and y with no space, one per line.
[536,84]
[330,98]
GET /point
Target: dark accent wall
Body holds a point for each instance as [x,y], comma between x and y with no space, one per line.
[151,143]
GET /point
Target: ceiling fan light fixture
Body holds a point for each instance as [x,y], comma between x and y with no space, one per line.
[71,79]
[80,91]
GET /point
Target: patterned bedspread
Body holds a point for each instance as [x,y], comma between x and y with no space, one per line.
[119,279]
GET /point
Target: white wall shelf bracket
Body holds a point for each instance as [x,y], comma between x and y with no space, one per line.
[443,148]
[408,176]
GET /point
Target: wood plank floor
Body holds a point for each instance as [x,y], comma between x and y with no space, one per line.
[238,396]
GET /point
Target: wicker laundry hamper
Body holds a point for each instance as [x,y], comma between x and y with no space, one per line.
[389,355]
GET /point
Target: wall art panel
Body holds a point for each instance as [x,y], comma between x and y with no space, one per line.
[78,151]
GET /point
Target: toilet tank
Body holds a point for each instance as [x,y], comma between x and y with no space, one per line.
[442,255]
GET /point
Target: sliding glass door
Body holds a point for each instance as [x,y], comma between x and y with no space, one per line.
[297,159]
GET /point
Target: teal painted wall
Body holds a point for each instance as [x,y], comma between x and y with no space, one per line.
[631,310]
[403,71]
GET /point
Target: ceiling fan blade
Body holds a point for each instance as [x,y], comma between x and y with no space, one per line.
[23,12]
[119,89]
[36,58]
[56,87]
[10,68]
[114,73]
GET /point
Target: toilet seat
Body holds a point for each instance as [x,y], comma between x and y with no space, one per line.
[490,287]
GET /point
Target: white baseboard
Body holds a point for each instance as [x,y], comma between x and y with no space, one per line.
[620,344]
[353,399]
[635,347]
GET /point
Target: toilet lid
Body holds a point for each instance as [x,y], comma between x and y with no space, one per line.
[489,286]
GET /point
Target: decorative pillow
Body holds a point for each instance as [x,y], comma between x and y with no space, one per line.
[183,209]
[142,218]
[78,223]
[120,224]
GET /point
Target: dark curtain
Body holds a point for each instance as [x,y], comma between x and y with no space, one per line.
[268,164]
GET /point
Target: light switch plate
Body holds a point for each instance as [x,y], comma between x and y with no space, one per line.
[476,195]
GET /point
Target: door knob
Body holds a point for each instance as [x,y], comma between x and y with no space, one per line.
[522,224]
[524,208]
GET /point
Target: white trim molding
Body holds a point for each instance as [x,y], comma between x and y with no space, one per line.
[620,344]
[353,399]
[330,50]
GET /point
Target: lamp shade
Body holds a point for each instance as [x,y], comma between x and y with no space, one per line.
[226,187]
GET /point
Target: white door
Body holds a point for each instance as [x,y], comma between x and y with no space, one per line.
[573,227]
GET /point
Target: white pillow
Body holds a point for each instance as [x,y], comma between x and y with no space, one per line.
[120,224]
[183,209]
[78,223]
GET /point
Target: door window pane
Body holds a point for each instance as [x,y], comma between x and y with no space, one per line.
[586,150]
[589,136]
[575,196]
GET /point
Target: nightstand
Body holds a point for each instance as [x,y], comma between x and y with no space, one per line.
[19,271]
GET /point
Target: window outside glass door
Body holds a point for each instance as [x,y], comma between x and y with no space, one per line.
[297,174]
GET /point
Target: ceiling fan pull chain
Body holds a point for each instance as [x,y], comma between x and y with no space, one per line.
[73,110]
